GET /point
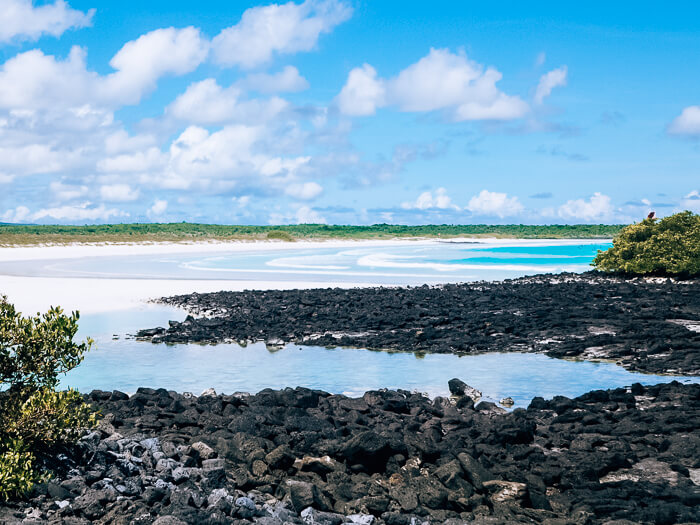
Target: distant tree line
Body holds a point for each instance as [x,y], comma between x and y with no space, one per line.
[12,234]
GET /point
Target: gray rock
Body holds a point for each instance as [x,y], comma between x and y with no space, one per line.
[169,520]
[204,450]
[213,464]
[474,471]
[507,401]
[311,516]
[245,507]
[217,495]
[460,388]
[361,519]
[180,474]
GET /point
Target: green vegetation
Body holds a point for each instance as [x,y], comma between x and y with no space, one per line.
[670,246]
[35,419]
[279,235]
[15,235]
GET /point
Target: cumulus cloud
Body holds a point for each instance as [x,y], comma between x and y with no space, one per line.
[158,208]
[77,213]
[549,81]
[442,80]
[60,139]
[691,201]
[118,193]
[306,215]
[363,92]
[427,201]
[286,80]
[34,81]
[494,204]
[21,20]
[597,207]
[138,161]
[18,214]
[687,123]
[304,191]
[68,192]
[276,30]
[141,62]
[206,103]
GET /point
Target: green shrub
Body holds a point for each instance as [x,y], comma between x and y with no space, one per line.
[670,246]
[35,419]
[280,235]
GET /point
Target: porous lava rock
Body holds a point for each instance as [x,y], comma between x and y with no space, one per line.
[304,457]
[649,325]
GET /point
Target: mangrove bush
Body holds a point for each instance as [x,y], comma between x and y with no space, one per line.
[35,418]
[668,247]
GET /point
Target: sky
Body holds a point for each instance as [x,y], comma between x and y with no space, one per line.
[348,111]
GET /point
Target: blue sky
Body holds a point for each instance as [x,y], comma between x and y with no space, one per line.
[348,112]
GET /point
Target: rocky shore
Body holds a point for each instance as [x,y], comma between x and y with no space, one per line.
[306,457]
[647,325]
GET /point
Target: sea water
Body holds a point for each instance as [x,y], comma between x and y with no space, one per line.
[411,263]
[123,363]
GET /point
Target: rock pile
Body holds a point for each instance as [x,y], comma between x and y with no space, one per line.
[306,457]
[645,325]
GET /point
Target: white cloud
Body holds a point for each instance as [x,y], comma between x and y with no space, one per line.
[32,159]
[18,214]
[427,201]
[363,92]
[224,159]
[207,103]
[67,192]
[306,215]
[441,80]
[241,201]
[158,208]
[141,62]
[540,59]
[687,123]
[691,201]
[277,29]
[548,81]
[118,193]
[304,191]
[494,204]
[20,20]
[78,213]
[598,207]
[139,161]
[35,81]
[287,80]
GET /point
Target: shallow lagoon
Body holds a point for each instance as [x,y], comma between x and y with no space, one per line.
[122,363]
[126,364]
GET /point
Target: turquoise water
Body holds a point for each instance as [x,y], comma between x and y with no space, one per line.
[126,364]
[122,363]
[407,264]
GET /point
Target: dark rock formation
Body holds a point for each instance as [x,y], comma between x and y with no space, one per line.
[650,325]
[391,457]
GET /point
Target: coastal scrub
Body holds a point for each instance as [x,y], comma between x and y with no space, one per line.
[666,247]
[35,418]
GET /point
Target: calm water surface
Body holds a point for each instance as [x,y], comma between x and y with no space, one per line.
[126,364]
[119,362]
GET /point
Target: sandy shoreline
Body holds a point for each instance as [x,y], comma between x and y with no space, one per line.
[91,295]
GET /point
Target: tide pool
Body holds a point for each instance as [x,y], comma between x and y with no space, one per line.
[126,364]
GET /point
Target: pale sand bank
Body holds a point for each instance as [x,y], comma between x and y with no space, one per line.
[31,294]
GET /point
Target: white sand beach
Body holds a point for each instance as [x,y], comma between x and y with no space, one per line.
[31,292]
